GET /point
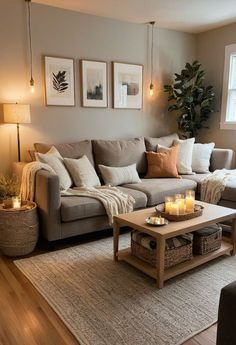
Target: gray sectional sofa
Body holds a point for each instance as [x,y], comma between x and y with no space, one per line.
[62,217]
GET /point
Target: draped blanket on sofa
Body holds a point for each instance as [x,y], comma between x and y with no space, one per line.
[113,199]
[214,184]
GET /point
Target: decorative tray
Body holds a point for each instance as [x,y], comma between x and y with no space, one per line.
[155,221]
[160,210]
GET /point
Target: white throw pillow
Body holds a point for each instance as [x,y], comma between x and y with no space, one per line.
[116,176]
[55,160]
[82,172]
[201,157]
[185,156]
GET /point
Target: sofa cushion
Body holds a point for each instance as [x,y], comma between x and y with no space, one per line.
[116,176]
[82,172]
[230,191]
[73,150]
[184,160]
[228,194]
[201,157]
[74,207]
[120,153]
[156,189]
[152,143]
[197,178]
[163,162]
[55,161]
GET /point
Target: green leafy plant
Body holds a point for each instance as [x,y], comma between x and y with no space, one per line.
[9,186]
[59,81]
[191,99]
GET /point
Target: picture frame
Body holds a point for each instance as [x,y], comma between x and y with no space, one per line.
[59,81]
[94,85]
[127,85]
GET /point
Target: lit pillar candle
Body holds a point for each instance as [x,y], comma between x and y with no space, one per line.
[16,202]
[179,198]
[168,202]
[174,209]
[190,201]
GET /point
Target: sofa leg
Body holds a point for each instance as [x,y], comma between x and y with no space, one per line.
[50,246]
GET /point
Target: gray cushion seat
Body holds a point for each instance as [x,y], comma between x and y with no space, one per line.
[197,178]
[74,207]
[157,188]
[228,194]
[230,191]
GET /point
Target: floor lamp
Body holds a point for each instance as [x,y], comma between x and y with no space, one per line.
[17,113]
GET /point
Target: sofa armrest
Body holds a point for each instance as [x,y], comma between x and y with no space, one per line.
[226,334]
[221,159]
[48,199]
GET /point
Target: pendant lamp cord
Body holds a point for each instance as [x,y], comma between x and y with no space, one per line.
[30,40]
[152,23]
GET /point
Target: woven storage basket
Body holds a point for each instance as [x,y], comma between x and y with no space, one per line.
[18,230]
[172,256]
[207,240]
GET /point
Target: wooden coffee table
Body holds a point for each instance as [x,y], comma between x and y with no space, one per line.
[211,214]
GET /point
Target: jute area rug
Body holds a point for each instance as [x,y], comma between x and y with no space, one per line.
[107,303]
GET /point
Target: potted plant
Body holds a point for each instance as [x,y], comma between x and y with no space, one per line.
[191,99]
[9,187]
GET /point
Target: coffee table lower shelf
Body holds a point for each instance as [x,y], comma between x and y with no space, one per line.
[197,260]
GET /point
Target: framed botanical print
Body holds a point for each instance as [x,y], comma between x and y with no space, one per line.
[127,86]
[93,83]
[59,81]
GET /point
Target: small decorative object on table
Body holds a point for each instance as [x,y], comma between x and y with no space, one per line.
[18,227]
[156,221]
[16,202]
[207,240]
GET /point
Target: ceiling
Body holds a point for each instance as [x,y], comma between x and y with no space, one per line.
[185,15]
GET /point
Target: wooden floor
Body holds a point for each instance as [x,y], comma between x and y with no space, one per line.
[27,319]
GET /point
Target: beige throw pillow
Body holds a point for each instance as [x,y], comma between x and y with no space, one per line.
[82,172]
[55,160]
[201,157]
[185,156]
[116,176]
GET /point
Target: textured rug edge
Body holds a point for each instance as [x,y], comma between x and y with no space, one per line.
[51,304]
[196,333]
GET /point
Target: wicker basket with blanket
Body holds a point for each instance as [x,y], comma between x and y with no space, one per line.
[178,249]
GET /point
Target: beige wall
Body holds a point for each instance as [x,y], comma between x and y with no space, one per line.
[210,52]
[59,32]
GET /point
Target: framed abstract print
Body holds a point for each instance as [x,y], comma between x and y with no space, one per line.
[127,85]
[93,83]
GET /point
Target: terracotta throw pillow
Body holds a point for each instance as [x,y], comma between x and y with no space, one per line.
[163,164]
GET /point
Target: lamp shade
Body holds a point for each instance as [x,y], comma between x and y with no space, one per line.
[16,113]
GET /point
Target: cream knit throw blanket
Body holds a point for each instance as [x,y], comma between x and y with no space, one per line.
[113,199]
[27,188]
[214,184]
